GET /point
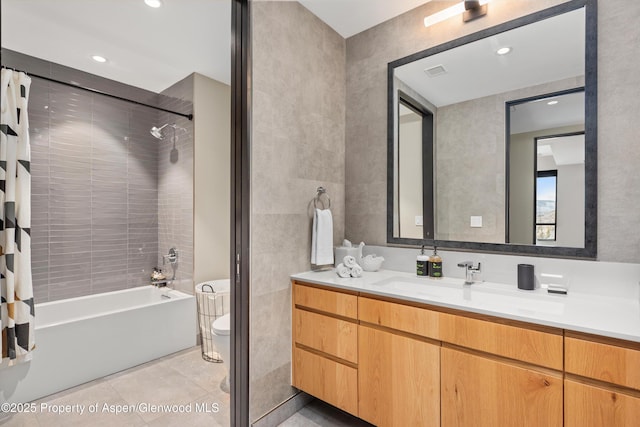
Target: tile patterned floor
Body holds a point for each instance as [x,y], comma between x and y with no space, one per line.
[182,378]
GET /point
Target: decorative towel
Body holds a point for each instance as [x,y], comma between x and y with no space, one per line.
[356,271]
[322,237]
[343,271]
[349,261]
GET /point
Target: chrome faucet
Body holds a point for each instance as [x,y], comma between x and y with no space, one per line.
[470,271]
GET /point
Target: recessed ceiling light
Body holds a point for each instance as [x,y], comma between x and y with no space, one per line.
[99,58]
[153,3]
[552,102]
[503,50]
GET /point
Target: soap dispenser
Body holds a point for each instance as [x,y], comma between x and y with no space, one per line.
[435,263]
[422,264]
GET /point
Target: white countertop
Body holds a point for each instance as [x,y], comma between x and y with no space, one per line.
[601,315]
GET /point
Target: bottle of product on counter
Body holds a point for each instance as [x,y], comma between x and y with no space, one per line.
[422,264]
[435,263]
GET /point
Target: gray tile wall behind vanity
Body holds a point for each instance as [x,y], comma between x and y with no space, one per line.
[618,156]
[297,145]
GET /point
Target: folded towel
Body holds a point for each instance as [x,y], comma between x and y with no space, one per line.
[349,261]
[343,271]
[322,237]
[356,271]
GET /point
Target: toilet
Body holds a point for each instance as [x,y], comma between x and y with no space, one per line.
[220,334]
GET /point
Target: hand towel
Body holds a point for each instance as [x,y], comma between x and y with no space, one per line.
[322,237]
[356,271]
[343,271]
[349,261]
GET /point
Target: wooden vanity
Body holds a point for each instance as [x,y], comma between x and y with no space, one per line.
[399,363]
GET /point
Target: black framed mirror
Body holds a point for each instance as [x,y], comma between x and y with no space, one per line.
[469,86]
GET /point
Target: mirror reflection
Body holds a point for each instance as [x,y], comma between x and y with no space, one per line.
[482,96]
[546,171]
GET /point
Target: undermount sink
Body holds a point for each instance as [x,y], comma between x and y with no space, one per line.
[479,295]
[430,288]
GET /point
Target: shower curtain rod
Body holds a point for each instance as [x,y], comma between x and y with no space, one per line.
[88,89]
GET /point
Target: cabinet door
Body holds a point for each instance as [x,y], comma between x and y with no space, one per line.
[326,379]
[590,406]
[479,392]
[398,379]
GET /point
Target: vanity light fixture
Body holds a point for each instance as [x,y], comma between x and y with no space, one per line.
[153,3]
[99,58]
[469,9]
[503,50]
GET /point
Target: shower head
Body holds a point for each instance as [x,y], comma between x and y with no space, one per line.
[157,131]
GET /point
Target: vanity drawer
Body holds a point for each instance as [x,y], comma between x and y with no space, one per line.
[406,318]
[330,335]
[338,303]
[326,379]
[515,342]
[611,363]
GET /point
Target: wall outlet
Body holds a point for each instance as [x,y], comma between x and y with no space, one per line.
[419,220]
[476,221]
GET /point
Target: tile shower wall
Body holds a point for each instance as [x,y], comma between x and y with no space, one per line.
[297,145]
[175,185]
[95,174]
[95,182]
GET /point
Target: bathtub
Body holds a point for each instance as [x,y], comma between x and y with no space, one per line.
[85,338]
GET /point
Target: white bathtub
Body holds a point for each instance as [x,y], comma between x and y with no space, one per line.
[85,338]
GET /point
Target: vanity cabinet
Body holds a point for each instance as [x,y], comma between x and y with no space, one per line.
[400,363]
[602,387]
[399,368]
[325,345]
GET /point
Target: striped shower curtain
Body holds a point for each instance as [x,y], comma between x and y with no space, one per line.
[16,291]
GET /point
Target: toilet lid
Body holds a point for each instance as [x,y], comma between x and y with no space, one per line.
[222,325]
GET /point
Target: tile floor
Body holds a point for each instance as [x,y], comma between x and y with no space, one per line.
[183,378]
[320,414]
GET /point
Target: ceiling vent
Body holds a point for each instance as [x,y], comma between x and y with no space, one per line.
[436,71]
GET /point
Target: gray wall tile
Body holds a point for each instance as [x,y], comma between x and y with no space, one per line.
[297,145]
[95,182]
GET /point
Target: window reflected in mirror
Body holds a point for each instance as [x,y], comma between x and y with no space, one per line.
[546,170]
[546,196]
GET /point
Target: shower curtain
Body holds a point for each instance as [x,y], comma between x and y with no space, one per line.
[16,291]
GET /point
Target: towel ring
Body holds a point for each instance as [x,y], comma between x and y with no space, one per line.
[318,199]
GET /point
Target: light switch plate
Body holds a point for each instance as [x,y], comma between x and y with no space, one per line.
[419,220]
[476,221]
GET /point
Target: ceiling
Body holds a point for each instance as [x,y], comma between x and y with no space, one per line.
[539,114]
[546,51]
[349,17]
[145,47]
[154,48]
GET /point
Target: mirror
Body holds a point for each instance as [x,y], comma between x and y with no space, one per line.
[491,142]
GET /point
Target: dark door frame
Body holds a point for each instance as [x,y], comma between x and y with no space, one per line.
[240,211]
